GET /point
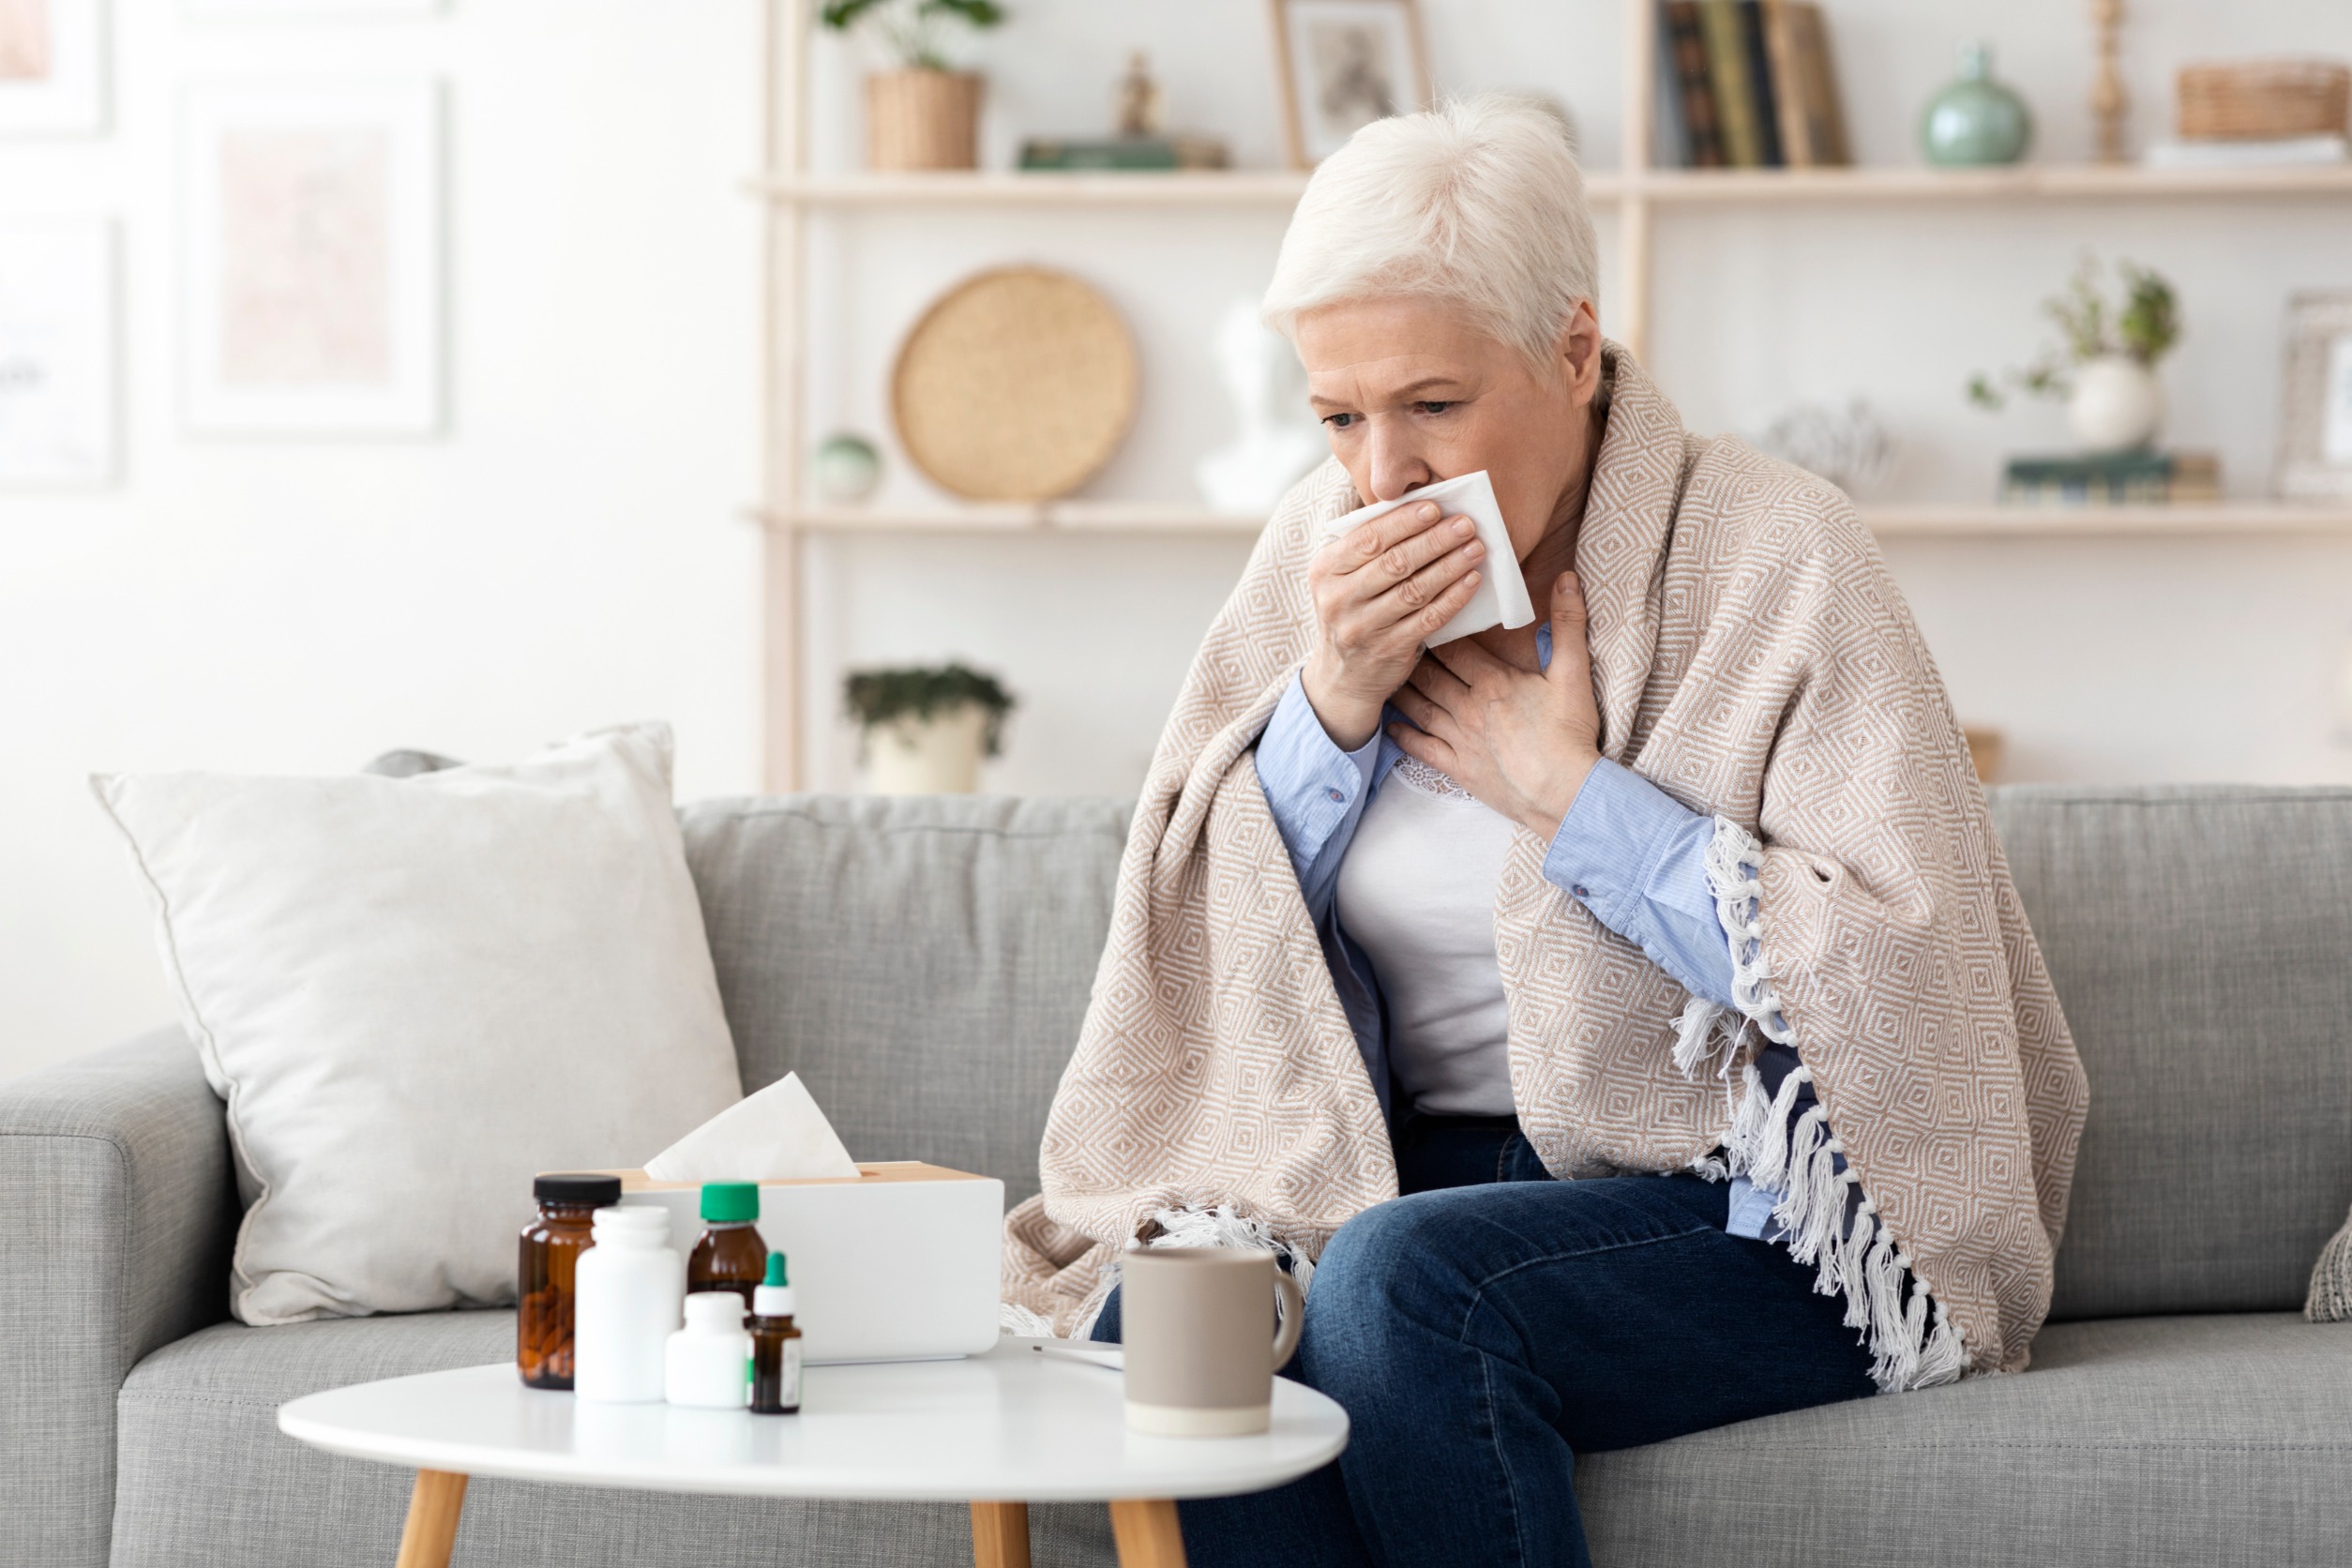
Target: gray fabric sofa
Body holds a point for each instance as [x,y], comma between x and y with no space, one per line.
[923,965]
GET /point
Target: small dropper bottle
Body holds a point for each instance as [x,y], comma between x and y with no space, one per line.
[774,1344]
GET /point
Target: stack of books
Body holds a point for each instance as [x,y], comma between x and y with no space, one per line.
[2136,478]
[1747,84]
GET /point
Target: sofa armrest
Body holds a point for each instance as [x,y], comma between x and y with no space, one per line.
[118,1206]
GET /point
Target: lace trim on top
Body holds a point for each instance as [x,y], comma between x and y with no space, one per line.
[1429,781]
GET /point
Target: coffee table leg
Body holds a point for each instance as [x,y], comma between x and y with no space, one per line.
[1147,1535]
[432,1519]
[1000,1535]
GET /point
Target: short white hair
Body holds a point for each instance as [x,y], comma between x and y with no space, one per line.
[1478,203]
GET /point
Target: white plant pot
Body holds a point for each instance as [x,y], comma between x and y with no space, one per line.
[939,756]
[2116,403]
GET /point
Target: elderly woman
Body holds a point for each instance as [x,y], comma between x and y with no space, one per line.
[1623,1025]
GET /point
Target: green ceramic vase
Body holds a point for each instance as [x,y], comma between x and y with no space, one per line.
[1976,120]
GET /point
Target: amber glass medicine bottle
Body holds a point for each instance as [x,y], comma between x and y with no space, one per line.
[551,1245]
[730,1256]
[774,1344]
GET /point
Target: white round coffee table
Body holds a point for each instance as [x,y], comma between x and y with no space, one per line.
[998,1431]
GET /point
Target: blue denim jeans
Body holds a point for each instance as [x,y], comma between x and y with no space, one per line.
[1487,1327]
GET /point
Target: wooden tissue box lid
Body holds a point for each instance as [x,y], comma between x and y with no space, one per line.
[867,1170]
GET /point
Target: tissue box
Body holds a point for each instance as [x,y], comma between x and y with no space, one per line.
[901,1264]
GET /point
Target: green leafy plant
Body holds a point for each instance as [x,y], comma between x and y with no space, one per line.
[2144,328]
[912,29]
[878,697]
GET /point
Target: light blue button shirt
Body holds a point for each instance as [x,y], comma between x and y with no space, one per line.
[1627,850]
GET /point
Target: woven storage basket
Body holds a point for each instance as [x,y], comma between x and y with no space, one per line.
[2263,100]
[922,120]
[1018,384]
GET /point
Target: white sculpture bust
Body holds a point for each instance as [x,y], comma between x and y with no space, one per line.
[1276,442]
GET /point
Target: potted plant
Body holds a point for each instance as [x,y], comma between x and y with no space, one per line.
[2106,367]
[922,732]
[922,115]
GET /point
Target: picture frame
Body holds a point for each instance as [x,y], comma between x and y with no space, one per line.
[59,421]
[310,228]
[1341,64]
[52,67]
[2315,431]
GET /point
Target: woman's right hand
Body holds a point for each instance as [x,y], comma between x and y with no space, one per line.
[1381,590]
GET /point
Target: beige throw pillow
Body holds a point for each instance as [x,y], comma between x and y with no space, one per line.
[414,993]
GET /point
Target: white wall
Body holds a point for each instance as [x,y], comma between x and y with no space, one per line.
[566,555]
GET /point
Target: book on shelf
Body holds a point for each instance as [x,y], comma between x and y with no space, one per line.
[1694,97]
[2134,478]
[1123,152]
[1751,85]
[1759,63]
[1734,88]
[1804,87]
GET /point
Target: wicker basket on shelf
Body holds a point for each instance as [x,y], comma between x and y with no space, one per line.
[2249,100]
[922,120]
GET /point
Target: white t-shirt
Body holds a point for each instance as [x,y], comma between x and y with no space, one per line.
[1416,892]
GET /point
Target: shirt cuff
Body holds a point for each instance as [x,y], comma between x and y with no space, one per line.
[1311,786]
[1608,848]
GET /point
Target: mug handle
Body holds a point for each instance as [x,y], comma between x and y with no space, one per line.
[1286,1343]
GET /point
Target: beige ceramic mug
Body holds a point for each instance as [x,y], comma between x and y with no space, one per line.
[1202,1348]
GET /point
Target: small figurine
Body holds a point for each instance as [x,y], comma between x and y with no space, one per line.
[1142,106]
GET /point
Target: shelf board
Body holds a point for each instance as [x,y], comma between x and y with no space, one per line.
[993,187]
[2022,182]
[1050,517]
[1665,187]
[1984,521]
[2182,519]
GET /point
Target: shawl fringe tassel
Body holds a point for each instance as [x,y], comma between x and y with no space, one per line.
[1911,1341]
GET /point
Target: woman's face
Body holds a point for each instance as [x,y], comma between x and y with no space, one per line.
[1412,392]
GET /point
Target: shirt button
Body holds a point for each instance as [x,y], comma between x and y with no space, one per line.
[1581,891]
[1336,795]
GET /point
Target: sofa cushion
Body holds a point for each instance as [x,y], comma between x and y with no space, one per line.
[416,993]
[922,962]
[2196,937]
[2130,1444]
[206,1478]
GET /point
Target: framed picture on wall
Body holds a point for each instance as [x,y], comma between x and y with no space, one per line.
[1341,65]
[2315,454]
[311,227]
[57,418]
[52,67]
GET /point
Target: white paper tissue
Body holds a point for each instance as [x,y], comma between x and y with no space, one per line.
[778,1134]
[1501,597]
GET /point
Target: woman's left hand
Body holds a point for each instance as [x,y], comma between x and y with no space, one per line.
[1519,741]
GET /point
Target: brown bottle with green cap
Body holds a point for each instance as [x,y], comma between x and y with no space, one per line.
[774,1344]
[730,1256]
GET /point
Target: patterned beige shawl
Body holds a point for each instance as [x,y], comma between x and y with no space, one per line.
[1753,658]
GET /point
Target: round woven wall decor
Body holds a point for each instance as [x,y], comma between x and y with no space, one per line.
[1018,384]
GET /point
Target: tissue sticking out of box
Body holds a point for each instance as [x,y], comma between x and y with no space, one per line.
[778,1134]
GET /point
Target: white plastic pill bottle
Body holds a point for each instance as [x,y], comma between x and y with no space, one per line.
[625,1304]
[709,1360]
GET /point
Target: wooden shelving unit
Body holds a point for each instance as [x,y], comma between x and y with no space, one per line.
[1637,193]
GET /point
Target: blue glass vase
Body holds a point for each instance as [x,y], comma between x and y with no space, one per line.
[1976,120]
